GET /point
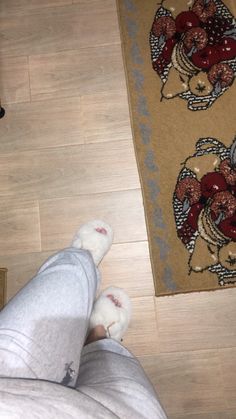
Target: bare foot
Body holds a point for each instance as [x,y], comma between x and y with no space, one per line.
[95,334]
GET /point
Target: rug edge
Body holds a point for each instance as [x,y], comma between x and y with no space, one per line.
[121,31]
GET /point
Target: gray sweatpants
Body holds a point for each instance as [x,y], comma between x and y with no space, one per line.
[42,334]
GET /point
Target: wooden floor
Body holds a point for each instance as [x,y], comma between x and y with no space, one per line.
[66,156]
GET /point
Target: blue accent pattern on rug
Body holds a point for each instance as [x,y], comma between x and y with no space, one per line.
[145,129]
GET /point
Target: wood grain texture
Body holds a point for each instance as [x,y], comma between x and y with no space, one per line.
[19,7]
[3,287]
[71,149]
[122,210]
[142,337]
[228,368]
[71,73]
[94,118]
[189,382]
[66,171]
[31,126]
[105,117]
[21,268]
[20,227]
[47,30]
[86,1]
[14,80]
[213,415]
[197,321]
[128,265]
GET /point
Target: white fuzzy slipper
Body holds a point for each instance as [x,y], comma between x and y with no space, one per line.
[112,309]
[95,236]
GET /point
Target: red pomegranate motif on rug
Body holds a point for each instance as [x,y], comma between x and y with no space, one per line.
[204,204]
[194,51]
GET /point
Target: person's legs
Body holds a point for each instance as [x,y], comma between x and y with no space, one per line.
[113,376]
[43,328]
[109,373]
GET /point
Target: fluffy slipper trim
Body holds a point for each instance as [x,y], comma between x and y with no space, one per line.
[112,309]
[95,236]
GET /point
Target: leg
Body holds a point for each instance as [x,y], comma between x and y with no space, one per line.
[108,372]
[43,328]
[112,376]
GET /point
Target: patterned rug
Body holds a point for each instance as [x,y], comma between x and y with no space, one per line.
[180,60]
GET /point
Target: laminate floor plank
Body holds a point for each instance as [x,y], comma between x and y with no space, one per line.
[228,368]
[21,268]
[128,266]
[142,337]
[37,125]
[78,72]
[59,122]
[14,79]
[197,321]
[19,227]
[19,7]
[213,415]
[66,157]
[122,210]
[105,117]
[188,382]
[67,171]
[54,29]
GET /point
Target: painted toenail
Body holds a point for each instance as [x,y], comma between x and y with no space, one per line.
[101,230]
[114,300]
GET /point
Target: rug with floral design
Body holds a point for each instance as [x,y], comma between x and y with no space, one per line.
[180,61]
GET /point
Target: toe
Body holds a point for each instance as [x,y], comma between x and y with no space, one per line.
[114,300]
[101,230]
